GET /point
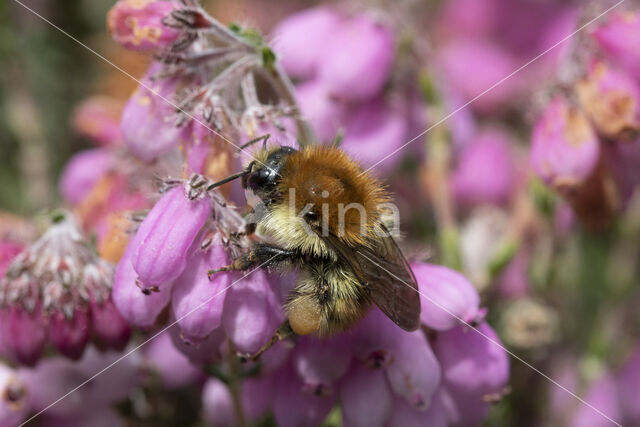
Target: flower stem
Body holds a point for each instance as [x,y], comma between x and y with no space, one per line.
[234,385]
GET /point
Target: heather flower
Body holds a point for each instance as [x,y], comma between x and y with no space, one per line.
[82,172]
[603,395]
[98,118]
[56,376]
[197,302]
[256,395]
[251,312]
[365,408]
[291,407]
[373,132]
[320,363]
[139,308]
[490,64]
[48,290]
[611,99]
[414,372]
[164,237]
[447,297]
[618,39]
[403,414]
[473,363]
[564,146]
[299,38]
[200,352]
[148,120]
[172,367]
[323,111]
[217,404]
[138,24]
[14,402]
[485,172]
[362,53]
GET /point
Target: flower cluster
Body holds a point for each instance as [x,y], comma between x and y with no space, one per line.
[57,290]
[347,97]
[579,139]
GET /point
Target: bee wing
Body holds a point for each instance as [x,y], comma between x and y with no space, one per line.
[383,269]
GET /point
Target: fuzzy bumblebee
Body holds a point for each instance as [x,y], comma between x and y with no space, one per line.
[321,214]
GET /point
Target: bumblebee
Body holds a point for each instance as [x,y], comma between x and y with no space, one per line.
[321,214]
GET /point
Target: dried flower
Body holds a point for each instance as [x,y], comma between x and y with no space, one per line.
[564,147]
[611,99]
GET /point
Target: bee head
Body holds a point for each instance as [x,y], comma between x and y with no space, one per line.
[263,179]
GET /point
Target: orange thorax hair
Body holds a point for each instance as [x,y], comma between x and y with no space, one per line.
[330,181]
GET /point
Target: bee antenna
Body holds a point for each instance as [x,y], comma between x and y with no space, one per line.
[263,138]
[229,178]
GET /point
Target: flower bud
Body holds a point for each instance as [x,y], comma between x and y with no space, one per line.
[405,415]
[293,407]
[463,408]
[110,329]
[70,334]
[300,40]
[251,312]
[611,99]
[164,237]
[618,39]
[490,63]
[485,171]
[202,351]
[137,25]
[138,308]
[447,296]
[414,372]
[373,132]
[174,368]
[601,394]
[472,363]
[82,172]
[564,147]
[148,128]
[323,111]
[257,396]
[14,405]
[197,301]
[24,333]
[321,362]
[217,404]
[365,397]
[362,53]
[98,118]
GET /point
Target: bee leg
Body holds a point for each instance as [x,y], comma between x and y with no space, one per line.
[259,255]
[248,230]
[283,332]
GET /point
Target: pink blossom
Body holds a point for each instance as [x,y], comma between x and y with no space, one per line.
[137,25]
[251,312]
[365,397]
[161,243]
[486,171]
[447,297]
[82,172]
[197,301]
[619,38]
[300,39]
[148,124]
[362,53]
[564,147]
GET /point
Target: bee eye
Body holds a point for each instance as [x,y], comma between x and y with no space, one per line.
[259,179]
[311,216]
